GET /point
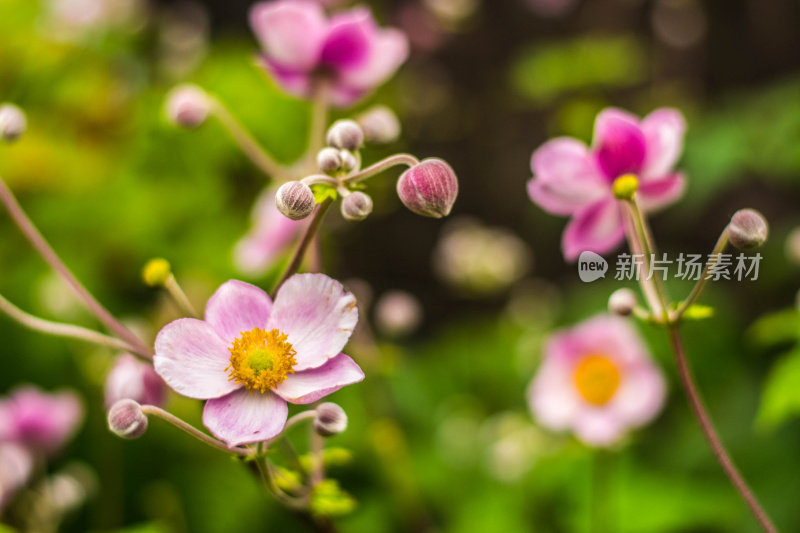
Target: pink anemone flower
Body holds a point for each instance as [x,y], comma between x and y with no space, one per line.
[38,421]
[572,179]
[598,380]
[348,51]
[250,356]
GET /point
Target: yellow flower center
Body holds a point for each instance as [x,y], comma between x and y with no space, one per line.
[597,378]
[625,186]
[260,360]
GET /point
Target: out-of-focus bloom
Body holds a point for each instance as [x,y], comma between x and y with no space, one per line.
[429,188]
[270,235]
[72,19]
[136,380]
[16,464]
[598,380]
[572,179]
[479,259]
[397,313]
[679,23]
[39,421]
[380,125]
[793,246]
[250,356]
[12,122]
[187,106]
[348,51]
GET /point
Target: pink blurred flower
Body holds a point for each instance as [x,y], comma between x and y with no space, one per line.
[598,380]
[135,380]
[39,421]
[250,356]
[16,464]
[270,235]
[349,50]
[572,179]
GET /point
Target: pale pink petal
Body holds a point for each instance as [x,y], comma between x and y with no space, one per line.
[607,334]
[663,130]
[349,39]
[235,307]
[311,385]
[389,49]
[131,378]
[243,417]
[43,421]
[317,314]
[619,144]
[565,177]
[291,32]
[192,358]
[16,465]
[552,397]
[295,82]
[657,193]
[598,228]
[599,427]
[641,394]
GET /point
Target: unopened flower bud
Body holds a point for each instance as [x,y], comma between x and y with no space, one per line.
[330,420]
[793,246]
[329,160]
[346,135]
[356,206]
[188,106]
[748,229]
[622,302]
[348,160]
[156,272]
[380,125]
[295,200]
[625,187]
[429,188]
[12,122]
[397,313]
[127,420]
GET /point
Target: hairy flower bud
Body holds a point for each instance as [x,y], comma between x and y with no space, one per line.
[429,188]
[12,122]
[346,135]
[380,125]
[356,206]
[330,420]
[329,160]
[127,420]
[295,200]
[348,160]
[748,229]
[156,272]
[622,302]
[188,106]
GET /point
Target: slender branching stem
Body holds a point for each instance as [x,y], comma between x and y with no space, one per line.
[637,248]
[49,255]
[317,444]
[175,291]
[710,432]
[152,410]
[722,242]
[648,250]
[62,330]
[305,241]
[385,164]
[246,142]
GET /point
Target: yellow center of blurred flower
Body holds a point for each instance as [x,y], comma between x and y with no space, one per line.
[261,359]
[597,378]
[625,186]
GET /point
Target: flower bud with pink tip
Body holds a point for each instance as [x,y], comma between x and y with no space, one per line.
[331,419]
[127,420]
[748,229]
[12,122]
[188,106]
[295,200]
[429,188]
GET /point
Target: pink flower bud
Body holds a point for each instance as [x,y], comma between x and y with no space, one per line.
[380,125]
[188,106]
[622,302]
[12,122]
[331,419]
[295,200]
[348,160]
[329,160]
[135,380]
[748,229]
[356,206]
[345,135]
[397,313]
[429,188]
[127,420]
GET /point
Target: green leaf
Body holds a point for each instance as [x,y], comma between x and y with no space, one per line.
[322,192]
[698,312]
[781,397]
[775,328]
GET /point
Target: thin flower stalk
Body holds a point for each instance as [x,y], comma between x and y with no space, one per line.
[152,410]
[722,242]
[385,164]
[175,291]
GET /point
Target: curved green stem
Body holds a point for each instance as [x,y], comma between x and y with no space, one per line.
[385,164]
[722,242]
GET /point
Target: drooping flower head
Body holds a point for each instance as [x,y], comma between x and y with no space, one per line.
[348,51]
[574,180]
[598,380]
[38,421]
[250,356]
